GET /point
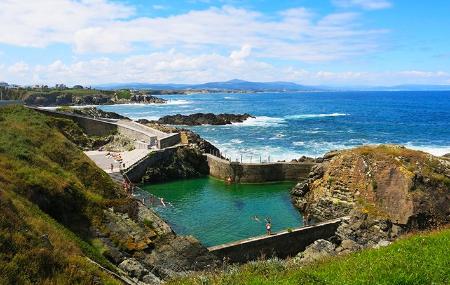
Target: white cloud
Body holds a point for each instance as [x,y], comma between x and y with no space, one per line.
[243,53]
[19,68]
[364,4]
[107,27]
[40,23]
[173,66]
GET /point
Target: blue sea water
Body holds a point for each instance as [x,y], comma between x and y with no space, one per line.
[289,125]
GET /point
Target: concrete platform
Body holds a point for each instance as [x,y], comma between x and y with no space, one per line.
[104,161]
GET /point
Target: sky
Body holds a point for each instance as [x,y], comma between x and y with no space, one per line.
[311,42]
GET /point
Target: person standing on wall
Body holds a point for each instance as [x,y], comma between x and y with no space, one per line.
[268,226]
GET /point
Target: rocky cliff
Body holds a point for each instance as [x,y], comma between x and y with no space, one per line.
[186,162]
[385,190]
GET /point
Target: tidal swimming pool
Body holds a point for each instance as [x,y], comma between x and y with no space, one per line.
[215,212]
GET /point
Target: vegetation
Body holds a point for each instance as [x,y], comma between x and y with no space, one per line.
[416,259]
[51,194]
[123,94]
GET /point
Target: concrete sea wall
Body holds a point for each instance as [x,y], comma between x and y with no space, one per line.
[282,244]
[257,172]
[92,127]
[169,141]
[137,170]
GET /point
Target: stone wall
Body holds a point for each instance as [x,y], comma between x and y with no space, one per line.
[282,244]
[137,135]
[92,127]
[257,172]
[170,140]
[105,127]
[137,170]
[10,102]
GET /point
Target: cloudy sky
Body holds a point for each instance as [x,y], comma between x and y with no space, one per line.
[329,42]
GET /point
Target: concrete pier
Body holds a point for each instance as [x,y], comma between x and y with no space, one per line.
[257,172]
[281,244]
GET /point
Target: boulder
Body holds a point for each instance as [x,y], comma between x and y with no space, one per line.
[133,268]
[317,251]
[203,119]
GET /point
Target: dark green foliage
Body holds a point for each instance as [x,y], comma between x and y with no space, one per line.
[47,186]
[123,94]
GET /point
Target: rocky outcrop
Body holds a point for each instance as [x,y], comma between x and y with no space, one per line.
[203,119]
[146,248]
[317,251]
[185,163]
[92,112]
[385,190]
[148,99]
[56,98]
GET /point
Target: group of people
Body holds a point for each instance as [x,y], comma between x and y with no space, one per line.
[268,224]
[118,158]
[128,187]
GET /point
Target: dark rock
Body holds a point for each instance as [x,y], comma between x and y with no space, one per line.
[149,99]
[92,112]
[150,278]
[203,119]
[329,155]
[305,159]
[133,268]
[317,251]
[184,163]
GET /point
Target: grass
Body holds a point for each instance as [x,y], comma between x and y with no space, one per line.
[50,196]
[417,259]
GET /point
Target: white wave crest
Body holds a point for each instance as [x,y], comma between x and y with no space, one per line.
[434,150]
[178,102]
[300,143]
[236,141]
[311,116]
[261,121]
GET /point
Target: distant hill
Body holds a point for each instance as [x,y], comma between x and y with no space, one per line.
[234,84]
[277,86]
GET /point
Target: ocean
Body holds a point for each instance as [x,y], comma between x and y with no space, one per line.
[291,125]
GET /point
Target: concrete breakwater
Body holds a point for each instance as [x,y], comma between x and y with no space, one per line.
[257,172]
[281,244]
[144,136]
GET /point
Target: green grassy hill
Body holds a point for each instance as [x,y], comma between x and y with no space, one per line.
[50,196]
[416,259]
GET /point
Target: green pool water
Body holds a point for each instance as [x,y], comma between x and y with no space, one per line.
[217,213]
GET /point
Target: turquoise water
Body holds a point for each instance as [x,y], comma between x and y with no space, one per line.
[288,125]
[216,213]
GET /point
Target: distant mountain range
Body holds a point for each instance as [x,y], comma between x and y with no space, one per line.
[234,84]
[279,86]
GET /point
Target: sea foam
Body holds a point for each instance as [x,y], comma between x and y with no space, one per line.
[261,121]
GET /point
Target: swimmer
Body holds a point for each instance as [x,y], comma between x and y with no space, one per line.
[257,219]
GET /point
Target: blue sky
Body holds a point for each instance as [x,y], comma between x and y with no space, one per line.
[327,42]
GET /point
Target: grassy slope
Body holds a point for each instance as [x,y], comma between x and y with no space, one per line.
[418,259]
[48,188]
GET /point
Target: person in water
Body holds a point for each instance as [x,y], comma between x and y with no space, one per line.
[268,226]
